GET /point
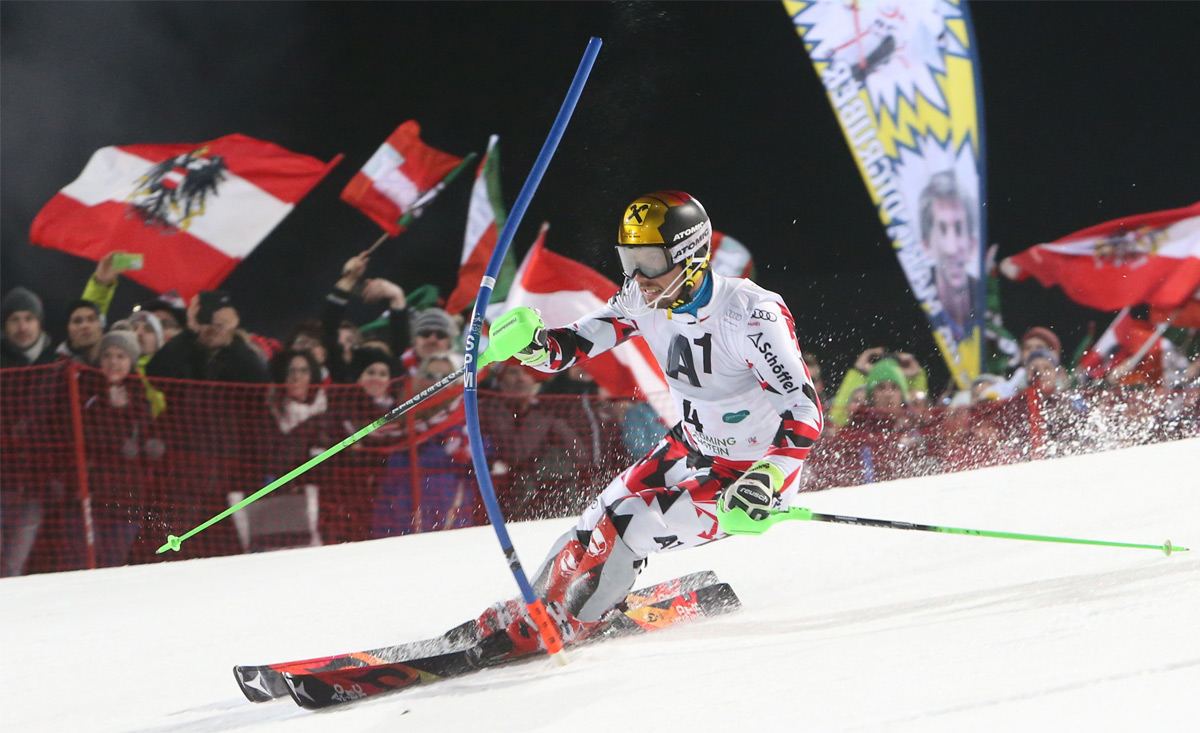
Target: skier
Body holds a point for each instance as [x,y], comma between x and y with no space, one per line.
[749,415]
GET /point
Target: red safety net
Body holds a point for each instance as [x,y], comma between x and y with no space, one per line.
[97,474]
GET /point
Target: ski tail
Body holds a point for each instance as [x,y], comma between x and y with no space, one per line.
[315,690]
[263,683]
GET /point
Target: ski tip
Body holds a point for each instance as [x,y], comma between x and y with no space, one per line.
[254,684]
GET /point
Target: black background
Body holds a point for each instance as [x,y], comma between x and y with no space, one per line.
[1090,113]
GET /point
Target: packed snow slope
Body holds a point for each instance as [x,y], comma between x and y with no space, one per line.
[844,628]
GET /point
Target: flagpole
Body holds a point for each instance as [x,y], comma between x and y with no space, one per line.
[1131,363]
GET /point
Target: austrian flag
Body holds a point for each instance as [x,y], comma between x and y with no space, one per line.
[193,210]
[403,175]
[1149,259]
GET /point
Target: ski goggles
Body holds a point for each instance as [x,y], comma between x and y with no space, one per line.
[649,262]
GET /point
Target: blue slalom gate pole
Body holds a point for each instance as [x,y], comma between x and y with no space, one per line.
[537,610]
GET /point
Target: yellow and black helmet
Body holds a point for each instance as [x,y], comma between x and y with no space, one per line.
[661,230]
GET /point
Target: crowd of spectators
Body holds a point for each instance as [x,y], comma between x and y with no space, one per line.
[178,404]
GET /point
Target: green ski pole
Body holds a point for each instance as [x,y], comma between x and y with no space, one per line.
[737,521]
[516,335]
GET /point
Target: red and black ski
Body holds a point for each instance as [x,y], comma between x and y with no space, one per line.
[261,683]
[314,690]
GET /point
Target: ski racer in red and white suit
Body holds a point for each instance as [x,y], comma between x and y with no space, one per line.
[749,412]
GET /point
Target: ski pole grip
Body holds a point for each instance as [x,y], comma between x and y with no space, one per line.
[512,332]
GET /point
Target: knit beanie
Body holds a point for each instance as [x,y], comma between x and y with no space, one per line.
[124,340]
[435,319]
[1046,335]
[887,370]
[22,299]
[365,356]
[151,320]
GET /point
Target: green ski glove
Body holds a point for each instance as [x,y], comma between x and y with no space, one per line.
[747,503]
[520,332]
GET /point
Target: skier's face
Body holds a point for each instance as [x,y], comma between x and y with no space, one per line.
[661,291]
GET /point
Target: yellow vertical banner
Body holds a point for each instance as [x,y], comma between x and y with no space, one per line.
[902,78]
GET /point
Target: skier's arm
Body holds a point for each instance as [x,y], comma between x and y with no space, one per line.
[771,350]
[555,349]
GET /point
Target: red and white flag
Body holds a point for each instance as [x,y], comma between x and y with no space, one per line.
[403,175]
[1151,259]
[1124,339]
[564,291]
[485,219]
[192,210]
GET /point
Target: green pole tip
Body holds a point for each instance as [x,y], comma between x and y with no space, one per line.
[1169,548]
[173,543]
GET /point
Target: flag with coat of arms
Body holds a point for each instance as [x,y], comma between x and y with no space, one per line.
[1149,259]
[192,210]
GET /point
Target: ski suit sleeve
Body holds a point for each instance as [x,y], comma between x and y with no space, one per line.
[594,334]
[771,350]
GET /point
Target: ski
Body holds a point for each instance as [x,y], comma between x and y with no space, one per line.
[315,690]
[263,683]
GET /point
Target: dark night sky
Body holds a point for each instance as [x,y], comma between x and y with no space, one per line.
[1091,112]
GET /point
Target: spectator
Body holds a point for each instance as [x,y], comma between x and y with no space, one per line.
[912,370]
[219,420]
[1038,337]
[295,409]
[349,338]
[1044,373]
[877,442]
[298,428]
[446,495]
[148,328]
[85,326]
[149,331]
[32,486]
[25,342]
[122,442]
[346,510]
[209,351]
[171,311]
[334,331]
[434,332]
[307,336]
[86,318]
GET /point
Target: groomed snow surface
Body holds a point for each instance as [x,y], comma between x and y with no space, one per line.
[843,628]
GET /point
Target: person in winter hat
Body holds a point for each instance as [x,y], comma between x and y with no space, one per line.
[24,342]
[887,387]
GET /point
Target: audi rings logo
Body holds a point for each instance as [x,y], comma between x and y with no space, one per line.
[764,315]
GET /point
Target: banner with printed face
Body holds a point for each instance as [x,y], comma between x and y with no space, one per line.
[902,79]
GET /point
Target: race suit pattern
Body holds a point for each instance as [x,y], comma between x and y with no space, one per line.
[744,393]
